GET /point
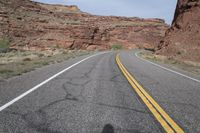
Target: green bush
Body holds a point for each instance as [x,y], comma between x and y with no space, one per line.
[116,47]
[4,43]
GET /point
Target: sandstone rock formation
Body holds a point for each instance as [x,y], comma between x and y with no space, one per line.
[182,40]
[32,25]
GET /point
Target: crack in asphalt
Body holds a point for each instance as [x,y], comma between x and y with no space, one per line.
[78,87]
[40,122]
[120,107]
[38,119]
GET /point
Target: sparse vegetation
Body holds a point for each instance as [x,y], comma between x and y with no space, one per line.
[179,52]
[72,22]
[188,66]
[150,49]
[4,43]
[117,46]
[17,62]
[5,71]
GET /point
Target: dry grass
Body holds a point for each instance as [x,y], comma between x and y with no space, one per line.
[188,66]
[17,62]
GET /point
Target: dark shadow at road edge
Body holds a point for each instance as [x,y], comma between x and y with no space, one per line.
[108,128]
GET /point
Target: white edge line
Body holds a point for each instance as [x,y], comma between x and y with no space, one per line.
[44,82]
[136,54]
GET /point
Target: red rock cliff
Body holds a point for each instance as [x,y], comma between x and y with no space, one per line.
[35,25]
[182,40]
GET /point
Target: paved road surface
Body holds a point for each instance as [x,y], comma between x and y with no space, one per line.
[95,97]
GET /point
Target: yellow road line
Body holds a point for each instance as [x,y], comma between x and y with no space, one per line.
[163,118]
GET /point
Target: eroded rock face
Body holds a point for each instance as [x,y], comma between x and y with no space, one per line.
[183,38]
[31,25]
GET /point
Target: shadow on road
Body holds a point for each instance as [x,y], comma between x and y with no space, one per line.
[108,128]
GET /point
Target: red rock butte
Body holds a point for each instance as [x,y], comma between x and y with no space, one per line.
[35,25]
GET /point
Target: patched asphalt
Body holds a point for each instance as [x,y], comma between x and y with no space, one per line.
[95,97]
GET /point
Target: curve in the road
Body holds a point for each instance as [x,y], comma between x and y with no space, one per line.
[163,118]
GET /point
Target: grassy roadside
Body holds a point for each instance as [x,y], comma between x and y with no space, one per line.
[17,62]
[187,66]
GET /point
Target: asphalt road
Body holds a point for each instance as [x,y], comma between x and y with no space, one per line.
[95,97]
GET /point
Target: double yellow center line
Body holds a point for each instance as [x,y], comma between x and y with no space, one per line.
[161,116]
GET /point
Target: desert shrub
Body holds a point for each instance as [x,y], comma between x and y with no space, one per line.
[4,44]
[40,55]
[150,49]
[116,47]
[5,71]
[45,63]
[179,52]
[65,52]
[27,59]
[72,22]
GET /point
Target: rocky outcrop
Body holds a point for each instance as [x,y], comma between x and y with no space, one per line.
[60,8]
[32,25]
[182,40]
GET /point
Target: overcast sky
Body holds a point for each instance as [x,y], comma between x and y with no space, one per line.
[131,8]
